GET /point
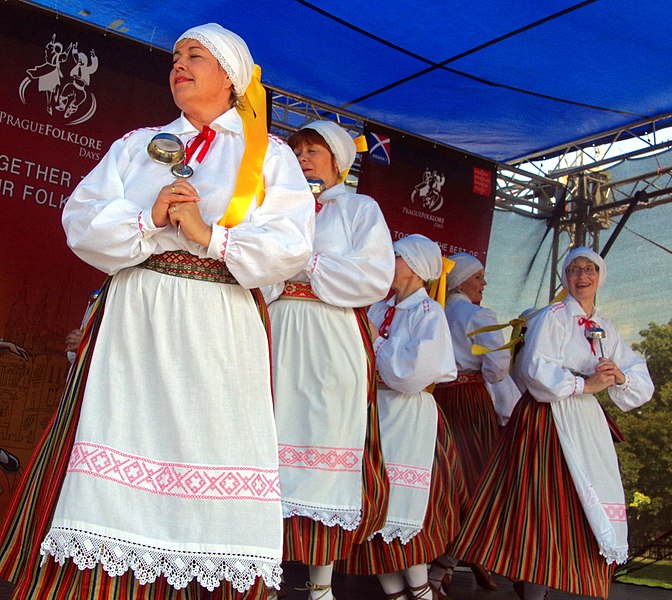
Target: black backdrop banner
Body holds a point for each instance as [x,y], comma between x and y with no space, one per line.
[443,193]
[68,92]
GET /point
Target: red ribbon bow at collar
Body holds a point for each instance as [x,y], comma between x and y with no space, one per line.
[204,139]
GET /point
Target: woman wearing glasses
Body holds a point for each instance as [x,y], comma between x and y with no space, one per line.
[550,512]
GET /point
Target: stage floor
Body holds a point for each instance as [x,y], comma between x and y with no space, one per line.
[464,588]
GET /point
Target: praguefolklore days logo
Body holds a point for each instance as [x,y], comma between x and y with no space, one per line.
[68,95]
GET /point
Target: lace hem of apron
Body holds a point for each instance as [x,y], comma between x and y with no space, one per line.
[405,533]
[345,519]
[148,563]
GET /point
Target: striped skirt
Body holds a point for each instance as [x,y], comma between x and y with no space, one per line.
[314,543]
[526,521]
[471,417]
[447,498]
[32,508]
[67,582]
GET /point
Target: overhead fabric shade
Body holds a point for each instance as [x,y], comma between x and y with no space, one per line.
[500,80]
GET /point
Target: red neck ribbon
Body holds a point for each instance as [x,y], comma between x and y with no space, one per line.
[204,138]
[384,329]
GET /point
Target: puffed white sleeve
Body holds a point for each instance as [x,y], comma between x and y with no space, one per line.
[363,274]
[638,387]
[494,365]
[544,373]
[277,240]
[103,227]
[415,357]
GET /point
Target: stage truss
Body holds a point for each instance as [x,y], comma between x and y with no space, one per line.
[577,189]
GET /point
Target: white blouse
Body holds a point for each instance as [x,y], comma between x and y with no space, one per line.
[557,357]
[463,318]
[353,260]
[108,220]
[418,351]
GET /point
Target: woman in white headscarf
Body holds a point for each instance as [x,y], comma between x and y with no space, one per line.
[332,475]
[413,351]
[551,510]
[166,482]
[482,396]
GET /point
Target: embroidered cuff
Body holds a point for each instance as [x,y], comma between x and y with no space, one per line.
[218,242]
[146,226]
[579,384]
[312,263]
[625,385]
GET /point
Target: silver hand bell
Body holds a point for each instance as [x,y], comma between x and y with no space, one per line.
[168,149]
[596,333]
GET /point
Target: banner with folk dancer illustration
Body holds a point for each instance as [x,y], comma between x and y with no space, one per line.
[68,92]
[443,193]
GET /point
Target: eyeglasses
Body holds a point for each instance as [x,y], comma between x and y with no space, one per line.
[575,271]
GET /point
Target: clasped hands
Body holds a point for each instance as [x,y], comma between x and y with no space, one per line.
[177,205]
[606,374]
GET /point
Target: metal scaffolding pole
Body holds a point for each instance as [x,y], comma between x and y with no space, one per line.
[570,187]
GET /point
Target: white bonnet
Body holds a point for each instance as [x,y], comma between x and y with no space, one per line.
[592,256]
[228,48]
[422,255]
[466,265]
[339,141]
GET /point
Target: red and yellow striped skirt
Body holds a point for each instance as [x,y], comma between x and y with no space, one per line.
[447,498]
[525,520]
[470,414]
[314,543]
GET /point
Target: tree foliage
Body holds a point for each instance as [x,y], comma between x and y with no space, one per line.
[646,456]
[656,347]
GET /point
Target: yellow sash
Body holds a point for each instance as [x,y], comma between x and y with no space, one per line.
[250,183]
[516,325]
[360,146]
[437,289]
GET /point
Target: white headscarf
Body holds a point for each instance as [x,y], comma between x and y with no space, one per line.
[339,141]
[228,48]
[592,256]
[422,255]
[466,265]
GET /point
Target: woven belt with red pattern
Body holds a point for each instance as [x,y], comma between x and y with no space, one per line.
[298,290]
[463,377]
[183,264]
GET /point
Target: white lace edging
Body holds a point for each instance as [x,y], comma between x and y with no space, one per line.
[347,520]
[148,563]
[405,533]
[199,37]
[614,555]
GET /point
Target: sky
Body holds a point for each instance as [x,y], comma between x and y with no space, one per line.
[638,289]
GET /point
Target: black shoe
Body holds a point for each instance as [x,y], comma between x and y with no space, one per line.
[8,461]
[483,577]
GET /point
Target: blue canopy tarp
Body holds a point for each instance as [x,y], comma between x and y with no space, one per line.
[496,78]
